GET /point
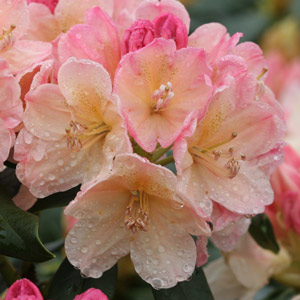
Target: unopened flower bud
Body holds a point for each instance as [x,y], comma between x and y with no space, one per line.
[51,4]
[140,34]
[91,294]
[169,26]
[23,289]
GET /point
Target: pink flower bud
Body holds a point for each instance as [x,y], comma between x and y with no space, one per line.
[51,4]
[91,294]
[291,211]
[169,26]
[286,185]
[23,289]
[140,34]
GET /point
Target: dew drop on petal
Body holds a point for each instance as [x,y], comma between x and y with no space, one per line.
[73,240]
[84,250]
[157,283]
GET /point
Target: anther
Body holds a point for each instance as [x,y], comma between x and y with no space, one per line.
[233,166]
[136,214]
[243,156]
[7,39]
[162,96]
[217,154]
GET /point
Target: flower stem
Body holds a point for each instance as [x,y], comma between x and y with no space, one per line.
[159,153]
[8,271]
[165,161]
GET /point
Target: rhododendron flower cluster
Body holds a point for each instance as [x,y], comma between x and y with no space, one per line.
[113,93]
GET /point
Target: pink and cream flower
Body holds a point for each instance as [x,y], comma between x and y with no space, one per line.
[72,132]
[19,52]
[135,210]
[11,110]
[159,99]
[222,160]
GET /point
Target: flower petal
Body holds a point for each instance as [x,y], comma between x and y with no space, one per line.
[14,12]
[47,115]
[7,138]
[214,39]
[47,167]
[109,36]
[87,96]
[71,12]
[163,255]
[24,199]
[202,254]
[247,193]
[137,171]
[25,53]
[107,240]
[43,24]
[88,42]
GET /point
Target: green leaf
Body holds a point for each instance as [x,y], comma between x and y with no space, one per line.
[19,233]
[262,231]
[195,289]
[67,282]
[55,200]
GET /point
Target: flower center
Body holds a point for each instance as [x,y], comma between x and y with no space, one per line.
[162,97]
[137,212]
[7,38]
[81,136]
[210,158]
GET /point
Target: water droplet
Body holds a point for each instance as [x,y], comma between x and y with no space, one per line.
[73,240]
[157,283]
[149,251]
[51,176]
[84,250]
[161,249]
[60,162]
[188,268]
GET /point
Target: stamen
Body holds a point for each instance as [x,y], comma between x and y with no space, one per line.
[233,135]
[162,97]
[243,156]
[209,157]
[137,212]
[7,39]
[233,166]
[78,132]
[263,72]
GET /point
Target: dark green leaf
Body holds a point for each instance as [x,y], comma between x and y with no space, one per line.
[55,200]
[262,231]
[67,282]
[195,289]
[19,233]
